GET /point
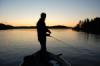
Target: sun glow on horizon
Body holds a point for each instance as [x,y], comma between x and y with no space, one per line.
[50,21]
[59,12]
[33,23]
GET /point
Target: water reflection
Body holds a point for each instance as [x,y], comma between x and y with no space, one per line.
[88,37]
[80,49]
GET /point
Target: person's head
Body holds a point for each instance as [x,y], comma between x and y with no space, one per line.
[43,15]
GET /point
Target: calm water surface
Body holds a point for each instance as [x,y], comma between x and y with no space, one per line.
[78,48]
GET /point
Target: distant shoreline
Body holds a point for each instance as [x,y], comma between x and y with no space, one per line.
[5,27]
[89,26]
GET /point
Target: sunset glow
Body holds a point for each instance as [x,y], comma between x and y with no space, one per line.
[59,12]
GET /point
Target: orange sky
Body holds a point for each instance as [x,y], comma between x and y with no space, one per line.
[59,12]
[30,23]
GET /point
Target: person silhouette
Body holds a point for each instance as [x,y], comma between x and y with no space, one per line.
[42,31]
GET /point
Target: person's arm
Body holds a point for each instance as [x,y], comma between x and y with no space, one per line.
[48,32]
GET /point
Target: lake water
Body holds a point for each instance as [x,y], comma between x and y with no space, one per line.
[78,48]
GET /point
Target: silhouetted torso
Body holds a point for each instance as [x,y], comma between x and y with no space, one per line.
[41,29]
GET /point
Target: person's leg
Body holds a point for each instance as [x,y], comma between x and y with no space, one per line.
[43,44]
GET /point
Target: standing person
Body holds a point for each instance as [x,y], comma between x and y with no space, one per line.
[42,31]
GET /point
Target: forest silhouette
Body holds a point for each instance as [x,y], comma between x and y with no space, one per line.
[89,26]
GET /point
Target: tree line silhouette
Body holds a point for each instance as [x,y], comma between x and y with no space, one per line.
[4,27]
[89,26]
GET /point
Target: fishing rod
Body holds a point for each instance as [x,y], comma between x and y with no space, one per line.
[64,42]
[58,39]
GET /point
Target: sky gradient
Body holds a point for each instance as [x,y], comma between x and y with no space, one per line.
[59,12]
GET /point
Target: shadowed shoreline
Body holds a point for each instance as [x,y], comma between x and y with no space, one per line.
[4,27]
[89,26]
